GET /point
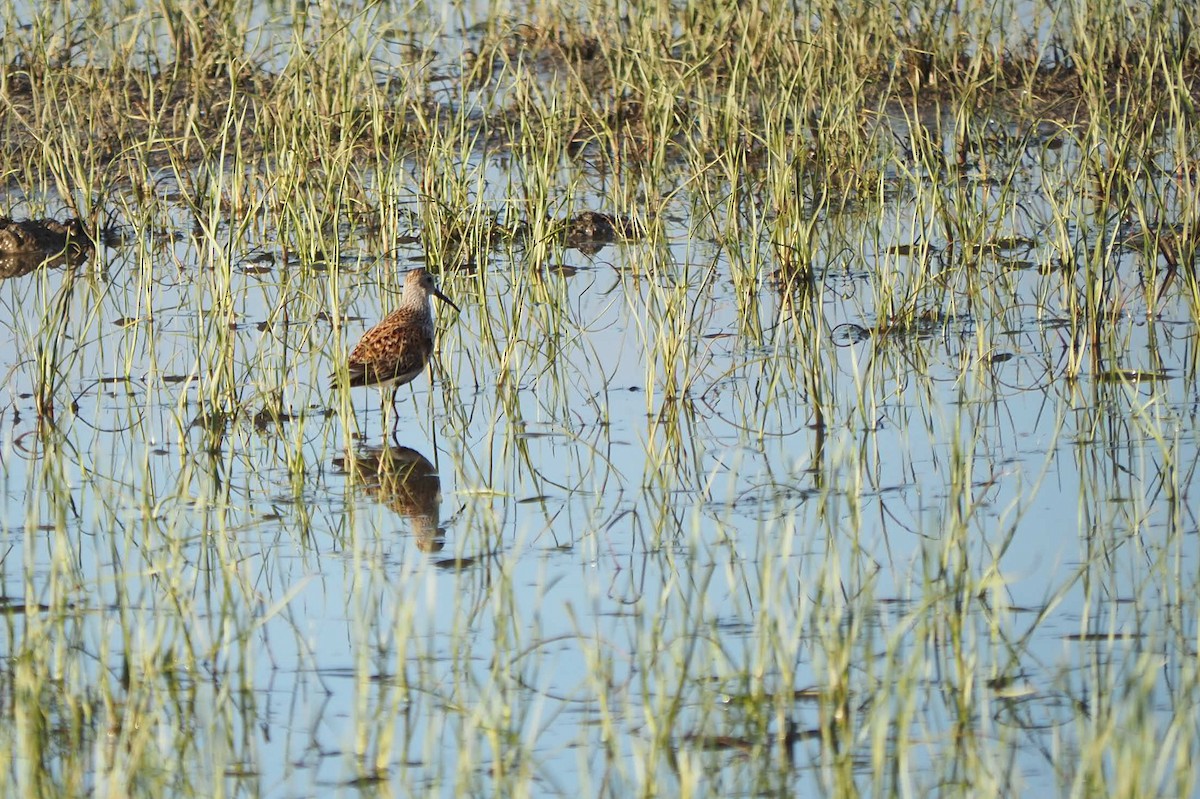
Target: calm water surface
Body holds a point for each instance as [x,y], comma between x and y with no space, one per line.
[615,484]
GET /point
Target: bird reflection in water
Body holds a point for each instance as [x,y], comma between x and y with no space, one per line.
[405,481]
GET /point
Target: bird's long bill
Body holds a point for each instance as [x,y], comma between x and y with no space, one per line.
[446,300]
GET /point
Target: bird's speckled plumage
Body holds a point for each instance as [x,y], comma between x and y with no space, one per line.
[397,349]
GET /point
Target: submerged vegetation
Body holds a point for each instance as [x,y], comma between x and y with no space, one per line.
[820,417]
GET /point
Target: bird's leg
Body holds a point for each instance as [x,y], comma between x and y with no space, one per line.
[395,411]
[383,410]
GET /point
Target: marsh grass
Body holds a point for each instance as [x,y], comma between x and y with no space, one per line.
[860,461]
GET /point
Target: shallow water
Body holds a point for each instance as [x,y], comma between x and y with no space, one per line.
[614,508]
[597,509]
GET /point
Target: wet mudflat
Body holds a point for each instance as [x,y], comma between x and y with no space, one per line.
[822,435]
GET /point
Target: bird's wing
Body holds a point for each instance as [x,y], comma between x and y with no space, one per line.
[396,346]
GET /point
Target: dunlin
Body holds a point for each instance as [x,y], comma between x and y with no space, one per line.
[397,349]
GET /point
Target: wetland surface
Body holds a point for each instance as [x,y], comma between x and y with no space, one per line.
[820,419]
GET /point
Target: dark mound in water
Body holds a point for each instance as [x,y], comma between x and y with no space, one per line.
[29,244]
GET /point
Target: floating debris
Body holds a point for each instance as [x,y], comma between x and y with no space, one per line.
[590,231]
[1131,376]
[920,325]
[786,738]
